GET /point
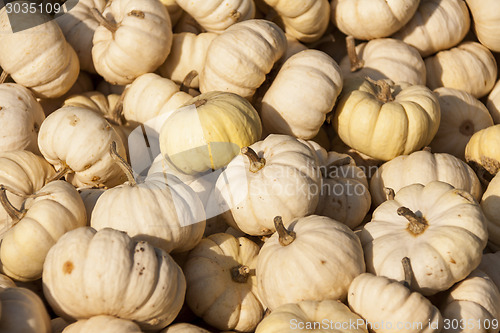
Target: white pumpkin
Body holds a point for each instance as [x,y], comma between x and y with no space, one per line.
[89,273]
[142,28]
[485,16]
[482,152]
[103,324]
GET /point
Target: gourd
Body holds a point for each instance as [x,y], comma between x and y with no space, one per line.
[301,95]
[228,264]
[39,57]
[276,176]
[311,250]
[76,141]
[21,118]
[22,311]
[161,210]
[187,54]
[103,324]
[437,25]
[468,66]
[306,20]
[208,131]
[442,230]
[423,167]
[404,311]
[78,26]
[89,273]
[485,18]
[482,154]
[462,115]
[230,65]
[133,38]
[493,101]
[184,328]
[291,317]
[489,204]
[368,19]
[397,120]
[384,58]
[52,211]
[218,15]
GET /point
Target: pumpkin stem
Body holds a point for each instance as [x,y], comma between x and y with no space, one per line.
[389,192]
[200,102]
[356,63]
[111,26]
[408,272]
[3,76]
[59,174]
[417,224]
[285,237]
[14,213]
[384,90]
[427,149]
[127,169]
[240,273]
[186,83]
[256,162]
[467,128]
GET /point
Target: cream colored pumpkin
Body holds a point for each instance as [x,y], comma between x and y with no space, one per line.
[475,302]
[208,131]
[386,58]
[103,324]
[423,167]
[22,311]
[218,15]
[482,152]
[230,65]
[276,176]
[301,95]
[134,38]
[493,103]
[386,121]
[227,264]
[187,54]
[378,299]
[312,251]
[437,25]
[78,26]
[77,139]
[107,273]
[20,118]
[6,282]
[490,203]
[174,10]
[469,66]
[56,209]
[442,230]
[305,20]
[38,58]
[369,19]
[161,210]
[462,115]
[486,20]
[310,315]
[184,328]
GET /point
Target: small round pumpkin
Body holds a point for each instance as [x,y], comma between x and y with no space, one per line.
[482,154]
[485,16]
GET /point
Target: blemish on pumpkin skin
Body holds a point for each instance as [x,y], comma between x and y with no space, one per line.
[96,178]
[323,262]
[68,267]
[137,13]
[452,261]
[73,120]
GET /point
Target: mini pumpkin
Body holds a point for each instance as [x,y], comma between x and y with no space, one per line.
[103,324]
[482,154]
[486,22]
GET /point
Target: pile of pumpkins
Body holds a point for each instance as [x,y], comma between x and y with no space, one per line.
[256,166]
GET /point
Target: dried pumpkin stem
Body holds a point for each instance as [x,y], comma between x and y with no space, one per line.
[417,224]
[111,26]
[59,174]
[256,162]
[3,76]
[356,63]
[127,169]
[384,90]
[186,83]
[406,262]
[240,273]
[389,192]
[14,213]
[286,237]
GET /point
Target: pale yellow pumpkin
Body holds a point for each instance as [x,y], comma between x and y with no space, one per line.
[38,58]
[141,28]
[437,25]
[369,19]
[386,121]
[208,131]
[103,324]
[312,250]
[468,66]
[462,115]
[89,273]
[482,152]
[486,21]
[301,95]
[230,65]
